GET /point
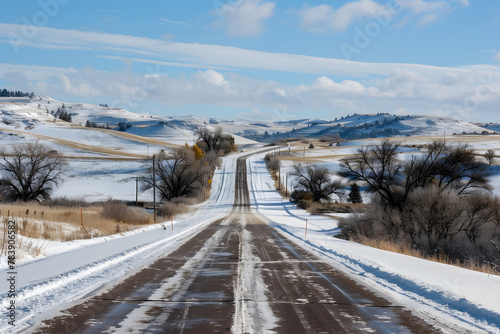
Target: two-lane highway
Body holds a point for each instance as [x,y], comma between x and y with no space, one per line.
[238,275]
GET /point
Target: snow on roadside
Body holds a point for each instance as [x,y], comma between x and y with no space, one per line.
[448,295]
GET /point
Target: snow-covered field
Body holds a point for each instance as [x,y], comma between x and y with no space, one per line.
[100,180]
[448,296]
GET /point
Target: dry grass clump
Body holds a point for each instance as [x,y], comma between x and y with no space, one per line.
[24,245]
[121,212]
[304,140]
[334,207]
[406,249]
[175,207]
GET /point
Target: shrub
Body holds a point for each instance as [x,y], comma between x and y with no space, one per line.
[124,126]
[303,199]
[303,204]
[437,223]
[490,156]
[175,207]
[119,211]
[272,163]
[328,139]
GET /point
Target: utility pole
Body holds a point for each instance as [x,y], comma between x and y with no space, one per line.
[279,178]
[286,184]
[154,188]
[136,189]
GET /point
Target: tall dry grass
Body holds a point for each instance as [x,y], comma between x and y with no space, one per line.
[404,248]
[65,223]
[24,246]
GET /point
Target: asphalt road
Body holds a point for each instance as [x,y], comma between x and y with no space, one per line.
[238,275]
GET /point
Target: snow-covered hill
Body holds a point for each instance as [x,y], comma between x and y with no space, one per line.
[362,126]
[28,114]
[39,116]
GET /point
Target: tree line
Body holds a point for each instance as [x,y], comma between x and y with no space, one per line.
[7,93]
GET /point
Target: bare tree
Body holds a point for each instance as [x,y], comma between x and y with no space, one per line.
[29,172]
[215,140]
[447,167]
[481,209]
[379,167]
[490,156]
[461,170]
[319,181]
[431,216]
[180,174]
[209,138]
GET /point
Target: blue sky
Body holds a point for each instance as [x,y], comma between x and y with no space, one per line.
[259,59]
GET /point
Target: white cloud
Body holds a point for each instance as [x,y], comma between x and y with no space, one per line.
[353,11]
[421,6]
[497,56]
[172,23]
[77,88]
[212,77]
[209,56]
[419,94]
[245,18]
[427,19]
[373,87]
[431,11]
[324,17]
[280,92]
[326,84]
[316,19]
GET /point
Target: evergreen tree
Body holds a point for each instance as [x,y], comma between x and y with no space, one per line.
[355,194]
[6,93]
[65,116]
